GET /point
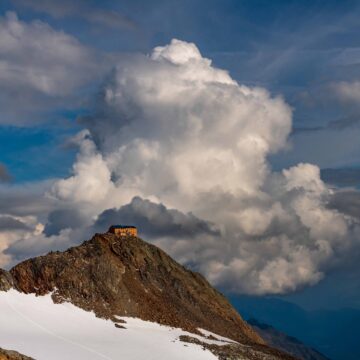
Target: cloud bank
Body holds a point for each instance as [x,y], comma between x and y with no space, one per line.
[178,147]
[39,66]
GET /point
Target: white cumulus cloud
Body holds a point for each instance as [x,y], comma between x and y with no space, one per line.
[37,56]
[173,129]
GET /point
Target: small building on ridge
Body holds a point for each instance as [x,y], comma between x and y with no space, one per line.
[123,230]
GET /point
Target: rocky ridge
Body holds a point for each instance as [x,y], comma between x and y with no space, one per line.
[126,276]
[12,355]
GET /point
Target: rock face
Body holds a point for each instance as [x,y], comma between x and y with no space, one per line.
[237,351]
[12,355]
[129,277]
[6,281]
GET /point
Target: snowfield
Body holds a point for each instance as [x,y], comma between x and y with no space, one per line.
[36,327]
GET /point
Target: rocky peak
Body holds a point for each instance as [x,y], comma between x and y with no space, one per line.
[129,277]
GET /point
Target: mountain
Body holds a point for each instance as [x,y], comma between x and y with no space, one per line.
[119,278]
[284,342]
[332,332]
[12,355]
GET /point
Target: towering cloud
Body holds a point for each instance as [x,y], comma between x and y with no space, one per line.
[178,147]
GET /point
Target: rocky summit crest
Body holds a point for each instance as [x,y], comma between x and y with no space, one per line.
[126,276]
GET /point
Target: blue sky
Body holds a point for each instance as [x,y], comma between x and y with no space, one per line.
[293,48]
[306,52]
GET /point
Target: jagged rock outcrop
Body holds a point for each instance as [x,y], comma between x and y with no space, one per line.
[6,281]
[12,355]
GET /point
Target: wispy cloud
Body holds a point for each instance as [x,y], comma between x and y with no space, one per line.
[348,91]
[80,9]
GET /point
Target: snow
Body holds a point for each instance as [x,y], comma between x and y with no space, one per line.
[221,339]
[37,327]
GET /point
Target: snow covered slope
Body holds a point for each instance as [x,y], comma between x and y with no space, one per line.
[37,327]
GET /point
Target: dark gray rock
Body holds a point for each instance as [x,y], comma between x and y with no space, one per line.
[6,280]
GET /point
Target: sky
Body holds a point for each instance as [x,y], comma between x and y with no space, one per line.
[227,131]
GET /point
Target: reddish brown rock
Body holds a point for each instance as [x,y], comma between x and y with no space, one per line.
[12,355]
[129,277]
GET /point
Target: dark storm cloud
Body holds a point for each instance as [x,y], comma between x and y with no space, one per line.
[63,219]
[155,220]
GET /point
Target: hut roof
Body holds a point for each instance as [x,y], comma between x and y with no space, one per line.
[122,227]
